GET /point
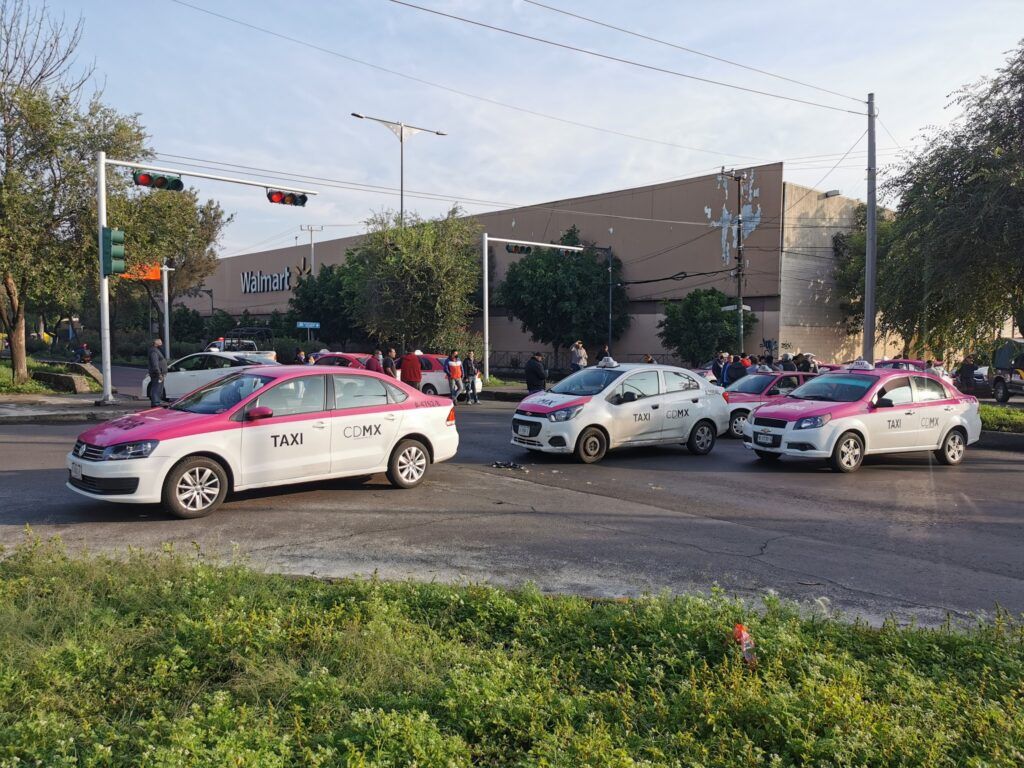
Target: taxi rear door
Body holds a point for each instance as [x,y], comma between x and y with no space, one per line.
[637,410]
[935,409]
[684,404]
[365,423]
[295,442]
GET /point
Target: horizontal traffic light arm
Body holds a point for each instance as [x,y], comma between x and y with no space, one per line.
[557,246]
[195,174]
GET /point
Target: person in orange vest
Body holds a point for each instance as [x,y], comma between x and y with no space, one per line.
[453,370]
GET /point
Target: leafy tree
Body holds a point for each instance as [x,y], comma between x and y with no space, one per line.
[560,297]
[321,297]
[696,328]
[411,284]
[187,324]
[47,144]
[219,323]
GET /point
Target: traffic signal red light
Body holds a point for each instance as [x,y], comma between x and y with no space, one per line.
[158,181]
[286,198]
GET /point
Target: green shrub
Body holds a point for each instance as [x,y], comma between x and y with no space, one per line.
[1001,418]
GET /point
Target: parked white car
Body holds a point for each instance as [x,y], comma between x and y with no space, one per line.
[193,371]
[614,405]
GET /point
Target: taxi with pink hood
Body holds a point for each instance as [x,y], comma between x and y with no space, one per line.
[843,416]
[261,427]
[613,405]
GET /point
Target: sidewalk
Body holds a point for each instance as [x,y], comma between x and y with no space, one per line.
[63,409]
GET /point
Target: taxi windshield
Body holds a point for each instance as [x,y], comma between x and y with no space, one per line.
[222,394]
[835,388]
[751,385]
[587,382]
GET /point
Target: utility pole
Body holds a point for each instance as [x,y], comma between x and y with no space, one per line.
[311,228]
[739,179]
[164,270]
[101,213]
[871,247]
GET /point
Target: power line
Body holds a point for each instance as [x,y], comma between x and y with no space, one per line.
[886,129]
[691,50]
[628,62]
[677,276]
[456,91]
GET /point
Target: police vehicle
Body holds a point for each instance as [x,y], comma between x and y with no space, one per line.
[613,405]
[261,427]
[844,415]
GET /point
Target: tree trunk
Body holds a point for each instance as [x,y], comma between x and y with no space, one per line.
[14,323]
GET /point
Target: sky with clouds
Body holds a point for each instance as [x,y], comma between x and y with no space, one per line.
[218,90]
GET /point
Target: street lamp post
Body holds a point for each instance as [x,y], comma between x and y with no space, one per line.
[402,131]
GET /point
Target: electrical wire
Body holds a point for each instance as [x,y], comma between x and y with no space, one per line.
[691,50]
[628,62]
[677,276]
[886,129]
[456,91]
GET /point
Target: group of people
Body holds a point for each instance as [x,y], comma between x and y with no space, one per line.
[729,368]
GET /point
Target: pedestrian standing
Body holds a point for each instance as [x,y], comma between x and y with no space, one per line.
[300,356]
[650,360]
[453,370]
[469,373]
[719,365]
[965,375]
[412,371]
[157,372]
[373,362]
[736,370]
[536,374]
[579,356]
[388,363]
[787,362]
[605,352]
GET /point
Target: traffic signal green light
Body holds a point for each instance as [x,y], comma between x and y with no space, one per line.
[524,249]
[158,181]
[112,255]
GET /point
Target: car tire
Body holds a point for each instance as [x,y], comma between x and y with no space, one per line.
[954,446]
[848,454]
[429,389]
[1000,391]
[736,422]
[768,456]
[591,446]
[408,464]
[702,438]
[194,487]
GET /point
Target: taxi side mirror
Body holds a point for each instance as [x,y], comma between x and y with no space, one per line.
[259,412]
[775,391]
[629,397]
[884,402]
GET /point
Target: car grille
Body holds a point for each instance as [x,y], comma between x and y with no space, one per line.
[106,486]
[91,452]
[521,412]
[533,426]
[774,423]
[524,441]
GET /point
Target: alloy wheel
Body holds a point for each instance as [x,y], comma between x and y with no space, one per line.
[412,463]
[198,488]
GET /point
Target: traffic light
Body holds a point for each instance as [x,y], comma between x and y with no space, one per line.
[523,249]
[286,198]
[157,181]
[112,256]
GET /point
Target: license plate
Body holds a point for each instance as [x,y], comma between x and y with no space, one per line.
[764,439]
[76,470]
[524,431]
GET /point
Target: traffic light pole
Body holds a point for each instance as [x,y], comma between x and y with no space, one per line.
[486,259]
[101,216]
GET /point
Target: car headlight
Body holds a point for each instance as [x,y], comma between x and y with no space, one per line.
[139,450]
[565,414]
[813,422]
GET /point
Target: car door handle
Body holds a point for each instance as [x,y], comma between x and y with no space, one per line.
[390,417]
[655,407]
[695,400]
[909,413]
[948,408]
[319,425]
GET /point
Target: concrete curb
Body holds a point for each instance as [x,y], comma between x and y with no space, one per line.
[1001,441]
[502,396]
[74,417]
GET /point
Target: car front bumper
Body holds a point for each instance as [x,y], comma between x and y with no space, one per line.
[544,435]
[806,443]
[132,481]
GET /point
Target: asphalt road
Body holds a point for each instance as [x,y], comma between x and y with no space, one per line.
[903,536]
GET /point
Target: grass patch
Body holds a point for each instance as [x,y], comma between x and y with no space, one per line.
[494,381]
[31,387]
[999,418]
[158,660]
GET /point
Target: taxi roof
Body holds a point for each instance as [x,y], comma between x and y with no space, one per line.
[288,371]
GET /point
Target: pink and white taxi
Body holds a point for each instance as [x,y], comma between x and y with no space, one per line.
[614,405]
[845,415]
[261,427]
[754,389]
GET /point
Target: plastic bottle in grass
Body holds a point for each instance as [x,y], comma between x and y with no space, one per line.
[742,636]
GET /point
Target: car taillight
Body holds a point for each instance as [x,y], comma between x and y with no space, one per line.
[450,421]
[725,396]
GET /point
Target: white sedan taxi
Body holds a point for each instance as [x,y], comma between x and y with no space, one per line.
[193,371]
[614,405]
[844,415]
[261,427]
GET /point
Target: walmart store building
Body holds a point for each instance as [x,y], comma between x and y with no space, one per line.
[657,231]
